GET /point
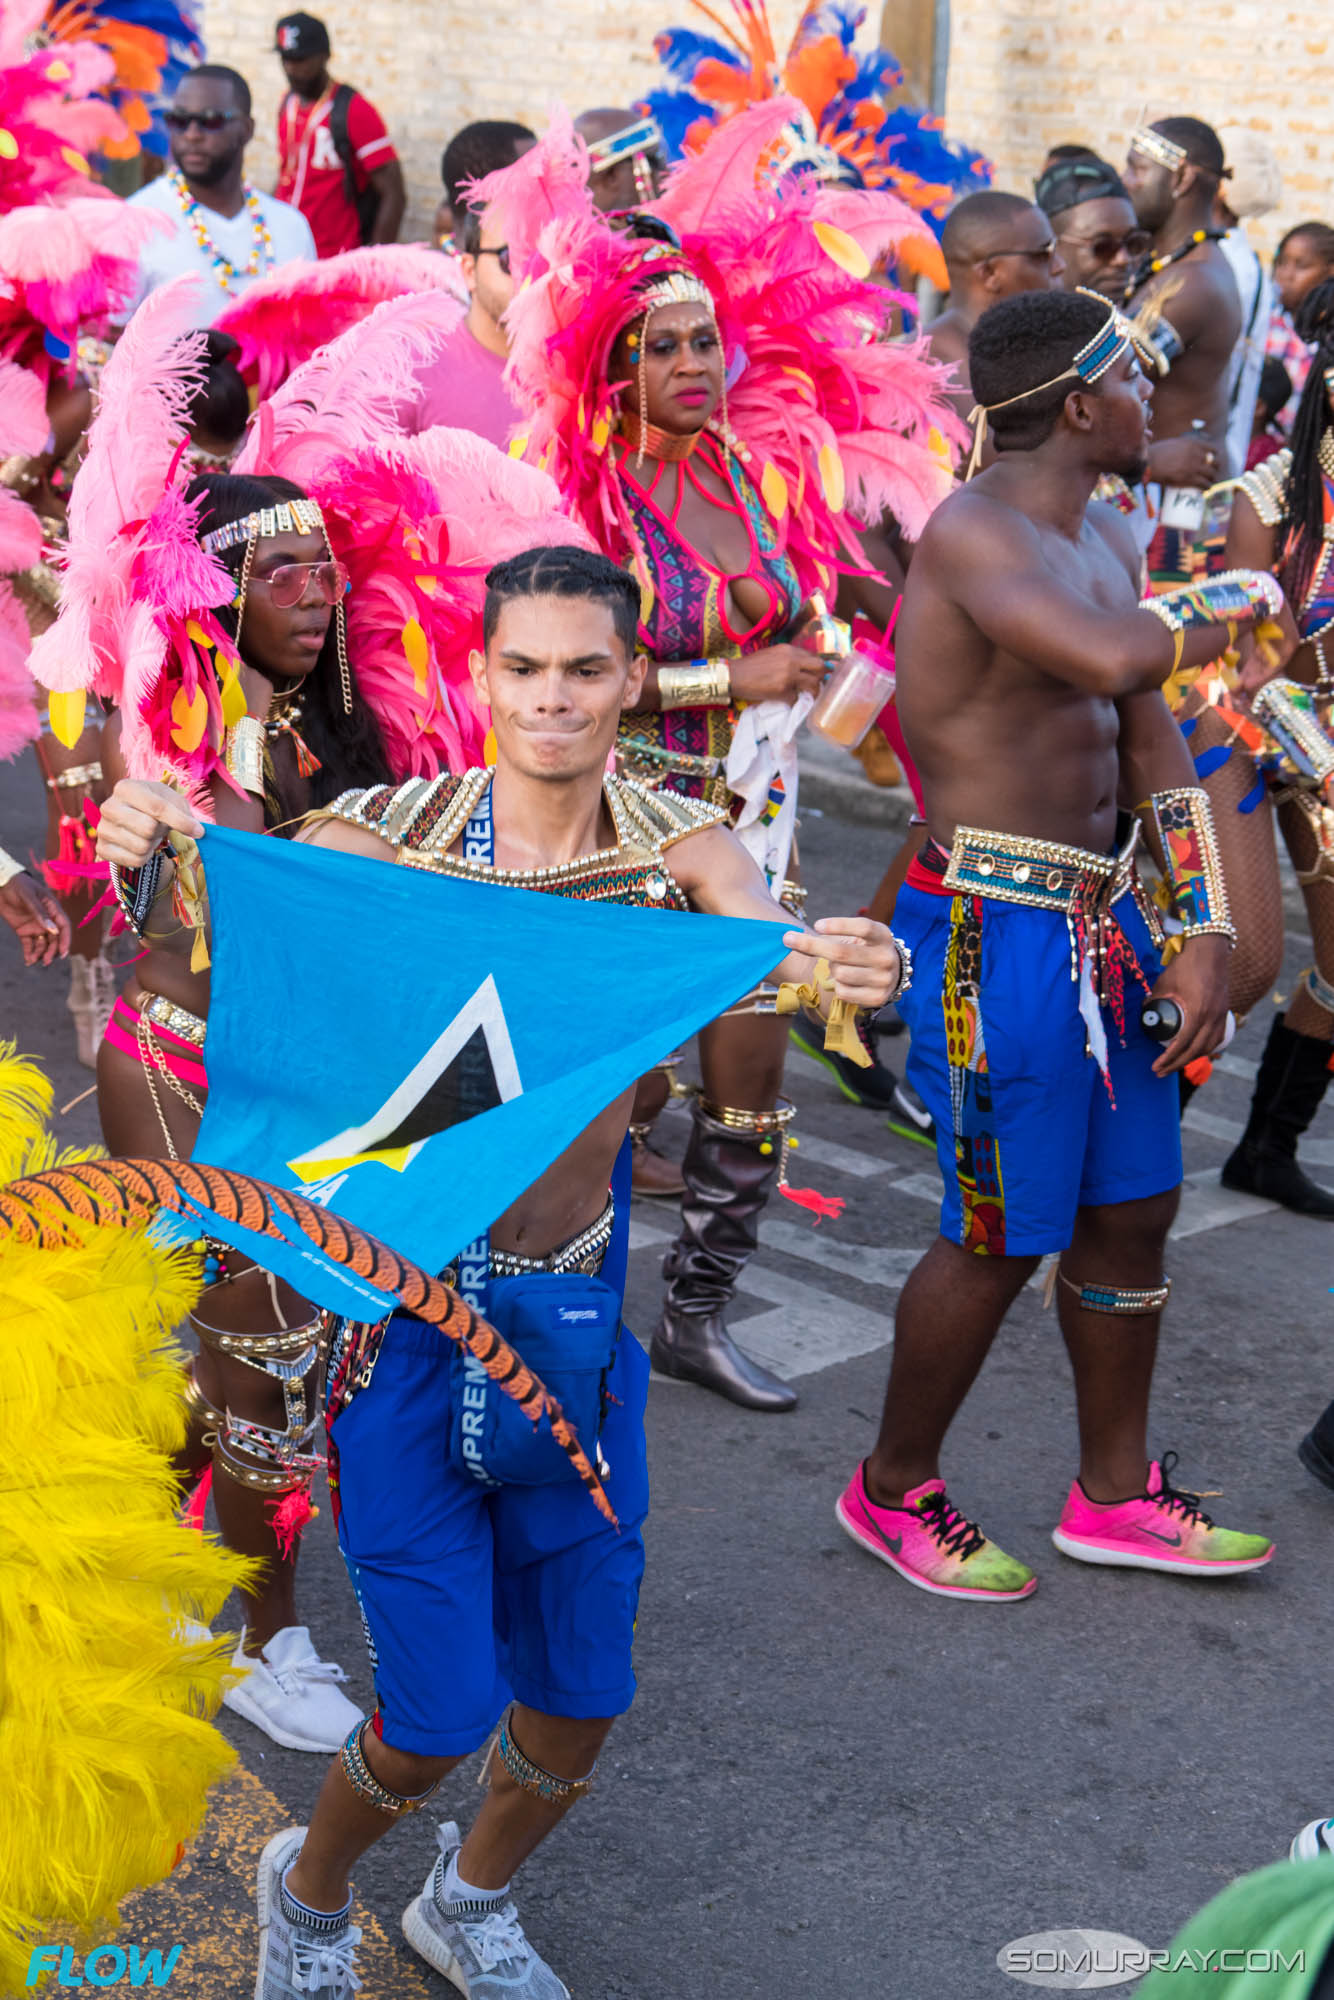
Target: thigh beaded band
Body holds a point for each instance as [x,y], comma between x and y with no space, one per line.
[368,1787]
[1118,1298]
[532,1778]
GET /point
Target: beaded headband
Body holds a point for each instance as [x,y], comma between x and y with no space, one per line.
[645,137]
[288,517]
[1115,337]
[1154,146]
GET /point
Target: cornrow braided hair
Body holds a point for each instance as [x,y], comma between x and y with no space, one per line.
[1304,500]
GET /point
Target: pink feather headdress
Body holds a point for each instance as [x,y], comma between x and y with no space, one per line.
[50,111]
[284,319]
[836,423]
[417,520]
[138,593]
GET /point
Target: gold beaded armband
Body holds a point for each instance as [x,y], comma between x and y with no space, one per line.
[701,684]
[1185,825]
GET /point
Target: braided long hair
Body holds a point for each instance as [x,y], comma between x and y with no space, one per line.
[1304,498]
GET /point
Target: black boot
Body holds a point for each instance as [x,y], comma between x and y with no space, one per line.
[1316,1450]
[728,1180]
[1292,1079]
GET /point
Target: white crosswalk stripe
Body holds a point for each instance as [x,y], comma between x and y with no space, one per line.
[808,1324]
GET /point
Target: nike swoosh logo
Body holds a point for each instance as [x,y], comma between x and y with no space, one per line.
[894,1543]
[1172,1541]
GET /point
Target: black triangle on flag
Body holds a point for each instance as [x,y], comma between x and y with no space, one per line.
[467,1070]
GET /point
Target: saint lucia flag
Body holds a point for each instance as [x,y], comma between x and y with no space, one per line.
[412,1051]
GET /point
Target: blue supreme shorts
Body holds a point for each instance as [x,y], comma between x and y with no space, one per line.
[472,1596]
[1026,1129]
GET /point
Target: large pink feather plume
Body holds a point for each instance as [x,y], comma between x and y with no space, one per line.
[299,308]
[547,184]
[138,594]
[64,267]
[359,385]
[48,111]
[725,172]
[23,421]
[19,720]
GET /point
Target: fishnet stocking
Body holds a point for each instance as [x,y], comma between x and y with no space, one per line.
[1250,868]
[1305,1016]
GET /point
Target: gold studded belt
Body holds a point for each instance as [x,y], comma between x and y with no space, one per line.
[1044,874]
[164,1013]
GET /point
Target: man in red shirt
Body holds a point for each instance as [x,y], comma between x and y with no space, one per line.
[336,161]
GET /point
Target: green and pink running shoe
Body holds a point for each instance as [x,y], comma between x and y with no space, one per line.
[1159,1529]
[929,1542]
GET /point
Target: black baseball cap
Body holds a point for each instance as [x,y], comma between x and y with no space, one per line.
[302,35]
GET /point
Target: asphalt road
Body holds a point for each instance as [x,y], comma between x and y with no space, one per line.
[833,1787]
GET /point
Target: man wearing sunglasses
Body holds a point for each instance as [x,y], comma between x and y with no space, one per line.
[994,245]
[221,227]
[1097,231]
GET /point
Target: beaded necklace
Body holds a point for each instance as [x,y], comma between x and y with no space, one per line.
[261,253]
[1143,272]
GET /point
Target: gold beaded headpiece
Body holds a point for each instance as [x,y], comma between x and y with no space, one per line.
[678,287]
[285,517]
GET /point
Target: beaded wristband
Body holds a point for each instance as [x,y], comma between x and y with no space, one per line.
[1185,824]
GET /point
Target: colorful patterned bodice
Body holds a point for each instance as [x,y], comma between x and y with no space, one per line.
[684,749]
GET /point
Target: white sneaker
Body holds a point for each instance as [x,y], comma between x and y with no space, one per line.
[297,1959]
[1314,1842]
[290,1693]
[479,1947]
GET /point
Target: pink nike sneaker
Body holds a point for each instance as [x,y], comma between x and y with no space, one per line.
[931,1544]
[1158,1529]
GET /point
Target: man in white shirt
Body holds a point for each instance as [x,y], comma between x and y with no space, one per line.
[1252,185]
[222,227]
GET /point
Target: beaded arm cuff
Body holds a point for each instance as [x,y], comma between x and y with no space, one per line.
[1266,487]
[1218,600]
[1185,825]
[1287,710]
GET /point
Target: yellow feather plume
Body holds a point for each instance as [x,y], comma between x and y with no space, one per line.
[106,1747]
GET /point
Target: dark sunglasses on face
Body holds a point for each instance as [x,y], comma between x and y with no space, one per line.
[286,585]
[1042,255]
[501,255]
[207,121]
[1103,249]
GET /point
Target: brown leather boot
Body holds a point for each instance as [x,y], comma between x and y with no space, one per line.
[652,1175]
[728,1180]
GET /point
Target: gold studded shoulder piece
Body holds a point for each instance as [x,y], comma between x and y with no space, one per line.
[657,820]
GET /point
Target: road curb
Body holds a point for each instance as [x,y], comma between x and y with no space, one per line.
[833,782]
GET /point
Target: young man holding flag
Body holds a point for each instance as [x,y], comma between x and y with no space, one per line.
[474,1552]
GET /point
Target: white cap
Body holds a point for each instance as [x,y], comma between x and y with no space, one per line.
[1254,183]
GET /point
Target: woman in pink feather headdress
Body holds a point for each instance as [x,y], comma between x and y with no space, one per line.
[710,386]
[270,637]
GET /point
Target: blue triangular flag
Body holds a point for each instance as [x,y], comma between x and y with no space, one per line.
[412,1051]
